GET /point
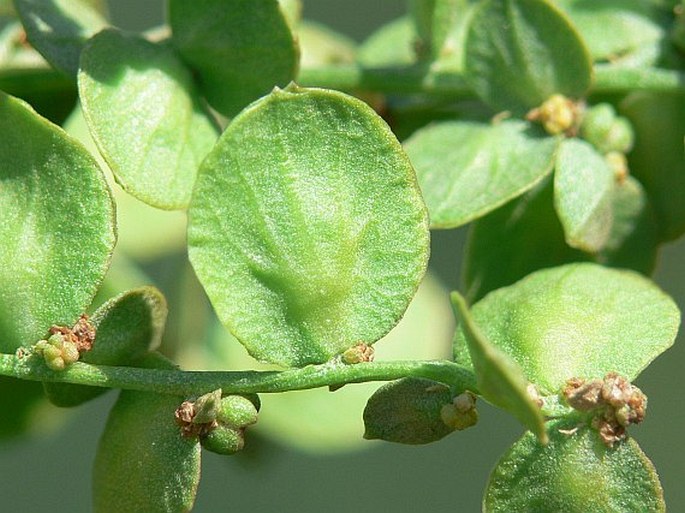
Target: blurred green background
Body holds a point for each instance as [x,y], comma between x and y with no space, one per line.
[49,470]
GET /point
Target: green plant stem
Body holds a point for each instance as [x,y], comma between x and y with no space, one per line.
[189,383]
[415,79]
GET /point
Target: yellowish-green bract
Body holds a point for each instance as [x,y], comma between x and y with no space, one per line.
[307,228]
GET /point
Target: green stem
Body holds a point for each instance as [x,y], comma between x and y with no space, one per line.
[416,79]
[189,383]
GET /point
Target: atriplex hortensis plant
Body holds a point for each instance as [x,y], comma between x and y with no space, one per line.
[554,128]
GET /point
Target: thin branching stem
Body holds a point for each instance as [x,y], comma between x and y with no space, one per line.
[189,383]
[417,79]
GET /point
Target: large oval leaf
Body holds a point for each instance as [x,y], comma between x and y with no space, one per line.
[307,227]
[575,473]
[143,463]
[240,49]
[583,187]
[467,169]
[521,52]
[143,112]
[578,320]
[57,231]
[59,29]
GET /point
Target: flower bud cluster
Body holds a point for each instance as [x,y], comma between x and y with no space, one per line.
[65,345]
[219,422]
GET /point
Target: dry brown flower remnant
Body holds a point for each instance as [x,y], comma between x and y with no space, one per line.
[614,402]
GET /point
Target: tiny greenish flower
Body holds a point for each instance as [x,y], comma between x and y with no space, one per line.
[558,115]
[57,351]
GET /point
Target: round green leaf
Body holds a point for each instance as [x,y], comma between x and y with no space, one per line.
[583,187]
[240,49]
[142,462]
[658,157]
[525,235]
[59,29]
[574,473]
[578,320]
[634,23]
[500,379]
[307,228]
[521,52]
[145,117]
[467,169]
[127,327]
[57,231]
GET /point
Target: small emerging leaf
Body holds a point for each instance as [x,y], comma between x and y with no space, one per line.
[328,235]
[407,411]
[583,184]
[144,114]
[240,49]
[142,462]
[521,52]
[59,29]
[57,231]
[467,169]
[500,379]
[127,327]
[574,473]
[578,320]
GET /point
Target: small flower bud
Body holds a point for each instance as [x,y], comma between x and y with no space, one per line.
[56,340]
[223,440]
[558,115]
[607,132]
[70,353]
[236,411]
